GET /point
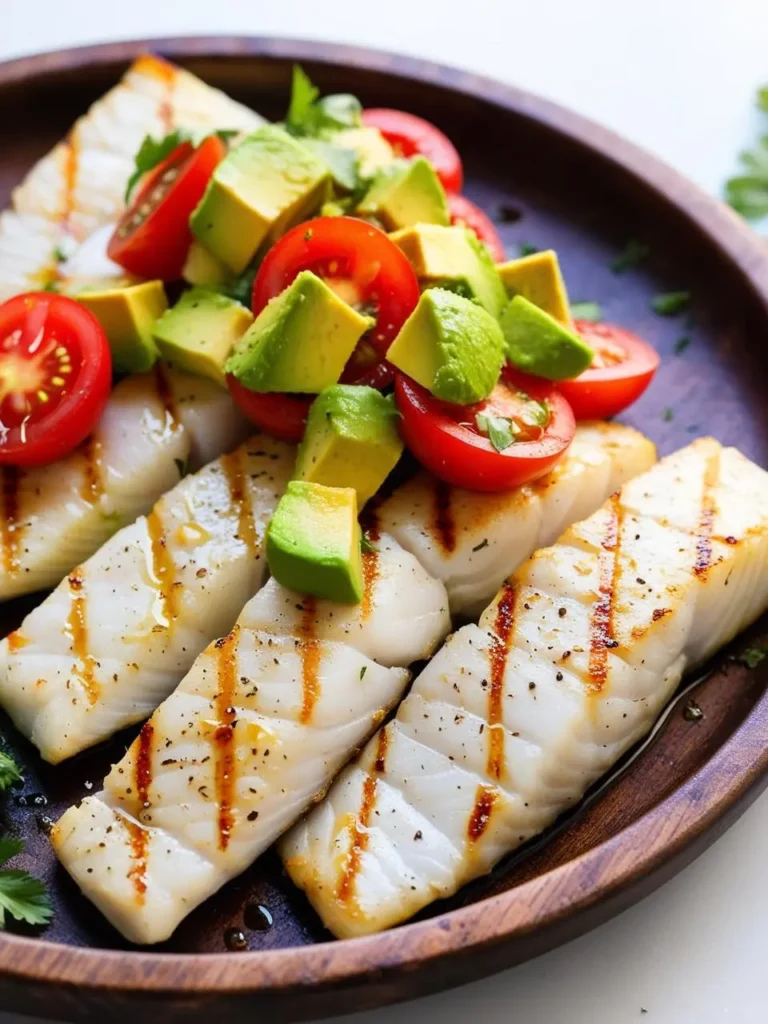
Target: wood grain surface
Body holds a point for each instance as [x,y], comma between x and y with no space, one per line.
[551,179]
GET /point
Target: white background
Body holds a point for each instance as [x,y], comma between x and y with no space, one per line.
[678,77]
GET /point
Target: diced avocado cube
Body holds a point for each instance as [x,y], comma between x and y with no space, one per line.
[351,440]
[128,317]
[300,341]
[314,542]
[451,346]
[405,193]
[199,332]
[263,186]
[453,258]
[373,150]
[538,278]
[539,344]
[202,268]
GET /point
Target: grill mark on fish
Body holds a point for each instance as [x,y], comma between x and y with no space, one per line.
[601,627]
[165,395]
[224,735]
[17,642]
[239,499]
[360,832]
[443,523]
[76,630]
[10,527]
[93,484]
[162,571]
[165,110]
[309,652]
[369,522]
[144,764]
[503,629]
[138,838]
[707,516]
[481,813]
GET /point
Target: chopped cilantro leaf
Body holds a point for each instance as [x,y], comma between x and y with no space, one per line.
[682,344]
[631,256]
[591,311]
[151,153]
[753,656]
[366,545]
[670,303]
[344,164]
[668,415]
[22,897]
[499,430]
[9,771]
[309,115]
[526,249]
[303,96]
[363,670]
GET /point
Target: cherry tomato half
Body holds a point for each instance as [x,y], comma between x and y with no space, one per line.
[413,136]
[55,377]
[280,415]
[445,438]
[153,235]
[623,368]
[463,211]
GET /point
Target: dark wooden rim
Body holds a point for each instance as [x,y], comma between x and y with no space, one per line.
[664,836]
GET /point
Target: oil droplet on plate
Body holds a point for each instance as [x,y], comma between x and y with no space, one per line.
[235,940]
[257,918]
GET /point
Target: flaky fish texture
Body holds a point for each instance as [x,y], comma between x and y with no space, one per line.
[76,192]
[268,715]
[121,630]
[155,426]
[472,540]
[515,718]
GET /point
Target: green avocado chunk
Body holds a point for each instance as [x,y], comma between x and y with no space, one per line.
[405,193]
[128,317]
[202,268]
[198,333]
[538,278]
[451,346]
[301,340]
[269,182]
[314,542]
[453,258]
[351,440]
[539,344]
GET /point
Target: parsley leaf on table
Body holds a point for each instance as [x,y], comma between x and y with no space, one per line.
[633,254]
[22,897]
[670,303]
[747,192]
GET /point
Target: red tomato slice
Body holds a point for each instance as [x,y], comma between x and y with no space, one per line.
[464,212]
[623,368]
[446,440]
[153,236]
[413,136]
[55,377]
[283,416]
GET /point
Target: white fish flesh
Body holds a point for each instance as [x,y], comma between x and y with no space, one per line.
[119,633]
[262,723]
[80,185]
[155,426]
[515,718]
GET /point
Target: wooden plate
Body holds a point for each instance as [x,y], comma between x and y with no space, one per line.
[550,178]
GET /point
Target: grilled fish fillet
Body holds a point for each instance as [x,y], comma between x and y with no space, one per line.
[119,633]
[515,718]
[301,682]
[155,426]
[80,185]
[464,537]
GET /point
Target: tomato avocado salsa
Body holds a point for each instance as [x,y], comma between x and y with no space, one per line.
[351,299]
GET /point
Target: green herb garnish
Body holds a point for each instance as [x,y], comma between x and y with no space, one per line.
[526,249]
[365,545]
[747,193]
[309,115]
[363,670]
[21,896]
[9,771]
[151,153]
[681,345]
[499,430]
[591,311]
[344,164]
[633,254]
[753,656]
[670,303]
[668,415]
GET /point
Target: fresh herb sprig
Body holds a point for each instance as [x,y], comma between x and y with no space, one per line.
[747,192]
[152,151]
[22,897]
